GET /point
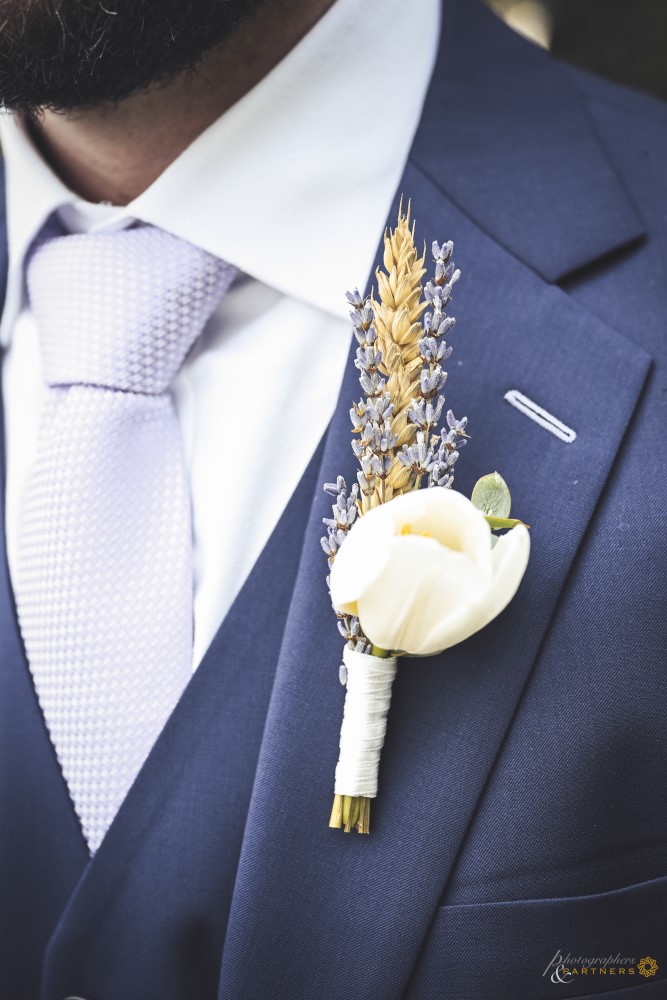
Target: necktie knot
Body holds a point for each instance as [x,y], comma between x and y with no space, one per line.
[121,310]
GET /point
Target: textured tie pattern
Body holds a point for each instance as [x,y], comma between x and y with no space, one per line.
[104,583]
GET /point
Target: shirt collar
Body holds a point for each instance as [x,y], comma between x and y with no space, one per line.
[294,182]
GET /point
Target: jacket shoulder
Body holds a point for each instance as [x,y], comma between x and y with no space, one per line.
[599,89]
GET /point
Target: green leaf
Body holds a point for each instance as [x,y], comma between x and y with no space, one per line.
[491,495]
[498,523]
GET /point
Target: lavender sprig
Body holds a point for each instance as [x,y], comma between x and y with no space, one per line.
[435,455]
[372,416]
[345,511]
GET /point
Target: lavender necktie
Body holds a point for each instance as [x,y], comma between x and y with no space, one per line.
[104,580]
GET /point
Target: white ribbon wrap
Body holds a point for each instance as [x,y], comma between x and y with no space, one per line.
[369,681]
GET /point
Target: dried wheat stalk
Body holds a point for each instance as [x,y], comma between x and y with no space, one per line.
[397,322]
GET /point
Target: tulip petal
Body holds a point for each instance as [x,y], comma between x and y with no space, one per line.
[450,518]
[422,582]
[510,557]
[361,558]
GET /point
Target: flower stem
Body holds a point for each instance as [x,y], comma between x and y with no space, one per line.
[351,812]
[336,818]
[382,653]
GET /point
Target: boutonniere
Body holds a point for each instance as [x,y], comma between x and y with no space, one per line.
[414,566]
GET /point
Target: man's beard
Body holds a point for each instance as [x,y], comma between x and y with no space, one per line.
[70,54]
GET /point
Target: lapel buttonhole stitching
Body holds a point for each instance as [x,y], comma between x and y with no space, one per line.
[540,416]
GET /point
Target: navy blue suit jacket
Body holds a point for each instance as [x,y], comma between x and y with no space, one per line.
[523,805]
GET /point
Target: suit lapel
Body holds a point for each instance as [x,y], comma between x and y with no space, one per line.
[179,830]
[506,134]
[319,913]
[314,909]
[42,850]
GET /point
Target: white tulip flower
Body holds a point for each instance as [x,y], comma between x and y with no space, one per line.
[422,574]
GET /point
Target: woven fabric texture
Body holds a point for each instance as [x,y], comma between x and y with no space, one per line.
[104,590]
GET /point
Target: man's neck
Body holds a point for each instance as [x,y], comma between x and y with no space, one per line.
[114,153]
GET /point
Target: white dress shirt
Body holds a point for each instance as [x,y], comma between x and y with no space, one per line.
[292,185]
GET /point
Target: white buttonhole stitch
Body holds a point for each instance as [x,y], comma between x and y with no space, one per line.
[540,416]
